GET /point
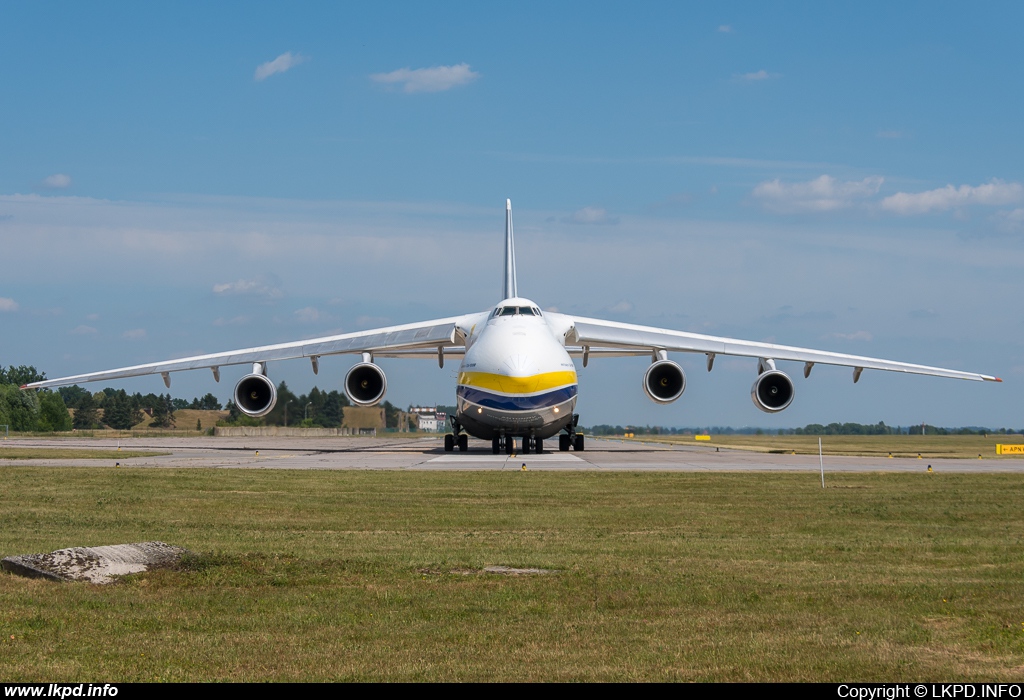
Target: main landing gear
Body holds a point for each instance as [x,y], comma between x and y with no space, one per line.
[570,438]
[507,444]
[456,437]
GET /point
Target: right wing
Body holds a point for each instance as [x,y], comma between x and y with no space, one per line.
[606,335]
[427,337]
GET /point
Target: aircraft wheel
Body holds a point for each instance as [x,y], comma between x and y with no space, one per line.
[449,442]
[578,443]
[527,445]
[495,445]
[510,444]
[538,445]
[563,443]
[463,443]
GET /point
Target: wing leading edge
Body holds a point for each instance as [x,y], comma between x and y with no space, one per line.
[595,333]
[436,334]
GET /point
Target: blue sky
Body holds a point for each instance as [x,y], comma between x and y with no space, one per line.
[182,178]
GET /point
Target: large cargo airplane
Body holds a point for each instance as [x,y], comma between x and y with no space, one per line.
[517,378]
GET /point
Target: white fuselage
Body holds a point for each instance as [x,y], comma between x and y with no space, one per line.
[516,378]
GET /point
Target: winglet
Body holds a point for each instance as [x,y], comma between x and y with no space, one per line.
[998,379]
[510,289]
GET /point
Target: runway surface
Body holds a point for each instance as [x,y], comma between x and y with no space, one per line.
[427,453]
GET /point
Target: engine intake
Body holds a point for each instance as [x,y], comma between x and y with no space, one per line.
[255,395]
[772,391]
[664,381]
[365,384]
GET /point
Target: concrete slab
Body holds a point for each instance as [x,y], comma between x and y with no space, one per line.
[95,564]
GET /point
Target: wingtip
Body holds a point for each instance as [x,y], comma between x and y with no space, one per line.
[999,380]
[508,204]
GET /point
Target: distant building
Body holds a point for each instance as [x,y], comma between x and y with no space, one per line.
[428,419]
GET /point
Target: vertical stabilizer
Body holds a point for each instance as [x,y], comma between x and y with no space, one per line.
[510,255]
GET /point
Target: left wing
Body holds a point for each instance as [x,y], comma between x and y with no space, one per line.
[598,334]
[412,338]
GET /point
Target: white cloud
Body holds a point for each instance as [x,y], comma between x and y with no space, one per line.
[993,193]
[282,63]
[822,194]
[134,334]
[856,335]
[7,304]
[83,330]
[57,181]
[255,287]
[307,315]
[759,75]
[1010,221]
[433,79]
[725,28]
[591,215]
[623,307]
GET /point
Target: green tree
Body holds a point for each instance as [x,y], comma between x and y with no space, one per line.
[20,375]
[73,395]
[286,402]
[118,411]
[53,414]
[163,412]
[18,409]
[207,403]
[86,417]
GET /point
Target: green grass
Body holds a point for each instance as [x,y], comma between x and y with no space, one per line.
[327,575]
[934,446]
[72,453]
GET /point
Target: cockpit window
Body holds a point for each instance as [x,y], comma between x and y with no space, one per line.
[516,311]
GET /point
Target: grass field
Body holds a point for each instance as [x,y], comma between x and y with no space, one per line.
[326,575]
[13,452]
[935,446]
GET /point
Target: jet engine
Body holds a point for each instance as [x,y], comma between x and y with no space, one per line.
[365,384]
[255,395]
[773,391]
[664,381]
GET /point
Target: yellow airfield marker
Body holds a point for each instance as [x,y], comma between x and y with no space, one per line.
[929,468]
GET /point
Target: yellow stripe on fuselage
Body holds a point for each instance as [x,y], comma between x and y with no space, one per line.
[517,385]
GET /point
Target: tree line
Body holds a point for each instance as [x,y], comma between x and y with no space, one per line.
[47,411]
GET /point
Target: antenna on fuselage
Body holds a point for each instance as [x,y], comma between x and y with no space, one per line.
[510,255]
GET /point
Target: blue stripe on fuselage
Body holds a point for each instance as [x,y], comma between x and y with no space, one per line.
[503,402]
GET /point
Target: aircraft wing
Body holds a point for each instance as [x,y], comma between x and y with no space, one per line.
[407,338]
[595,333]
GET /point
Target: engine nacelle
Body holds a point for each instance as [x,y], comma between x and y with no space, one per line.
[773,391]
[365,384]
[664,381]
[255,395]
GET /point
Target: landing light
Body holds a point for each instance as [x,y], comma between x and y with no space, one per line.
[556,409]
[479,410]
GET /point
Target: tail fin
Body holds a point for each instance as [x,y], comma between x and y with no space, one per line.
[510,255]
